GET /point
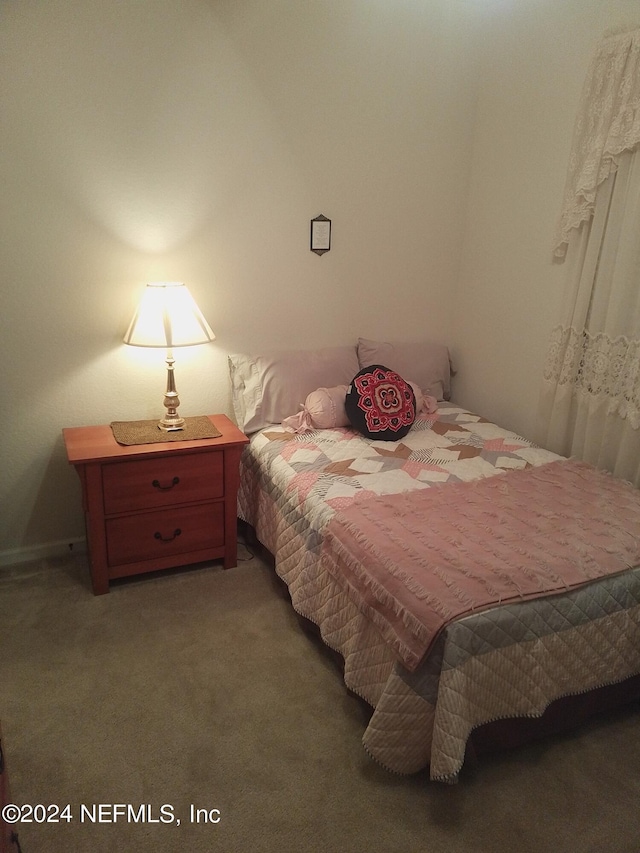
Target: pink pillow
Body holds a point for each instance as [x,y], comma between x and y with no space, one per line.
[326,407]
[425,362]
[323,409]
[269,387]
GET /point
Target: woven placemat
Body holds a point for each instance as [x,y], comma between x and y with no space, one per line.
[148,432]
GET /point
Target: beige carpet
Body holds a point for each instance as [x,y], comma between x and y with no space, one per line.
[201,688]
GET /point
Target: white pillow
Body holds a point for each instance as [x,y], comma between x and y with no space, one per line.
[426,363]
[268,388]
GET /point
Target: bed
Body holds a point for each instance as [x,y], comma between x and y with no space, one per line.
[356,524]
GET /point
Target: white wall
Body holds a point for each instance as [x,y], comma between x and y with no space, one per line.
[193,141]
[535,59]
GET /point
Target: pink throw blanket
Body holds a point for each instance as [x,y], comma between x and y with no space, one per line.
[415,561]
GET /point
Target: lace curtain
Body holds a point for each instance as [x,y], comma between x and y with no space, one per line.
[590,401]
[608,123]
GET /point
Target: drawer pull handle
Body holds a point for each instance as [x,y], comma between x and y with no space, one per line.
[162,538]
[156,484]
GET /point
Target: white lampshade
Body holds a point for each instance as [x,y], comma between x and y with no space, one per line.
[168,316]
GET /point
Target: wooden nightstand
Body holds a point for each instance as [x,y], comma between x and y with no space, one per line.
[154,506]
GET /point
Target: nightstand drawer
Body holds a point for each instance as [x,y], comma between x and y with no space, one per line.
[162,481]
[152,535]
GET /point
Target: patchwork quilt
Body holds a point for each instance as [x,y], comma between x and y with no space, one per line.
[506,661]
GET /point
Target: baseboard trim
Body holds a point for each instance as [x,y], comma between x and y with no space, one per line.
[30,553]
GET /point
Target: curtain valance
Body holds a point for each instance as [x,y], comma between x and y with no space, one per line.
[607,124]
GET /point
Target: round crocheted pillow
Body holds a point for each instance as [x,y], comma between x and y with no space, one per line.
[380,404]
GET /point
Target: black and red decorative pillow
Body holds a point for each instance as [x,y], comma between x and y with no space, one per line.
[380,404]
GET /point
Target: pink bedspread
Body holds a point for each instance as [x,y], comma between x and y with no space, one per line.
[415,561]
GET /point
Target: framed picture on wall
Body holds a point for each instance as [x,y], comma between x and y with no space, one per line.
[320,235]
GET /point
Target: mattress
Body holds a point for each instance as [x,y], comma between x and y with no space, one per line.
[510,660]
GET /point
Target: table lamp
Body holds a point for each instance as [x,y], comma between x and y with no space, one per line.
[168,316]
